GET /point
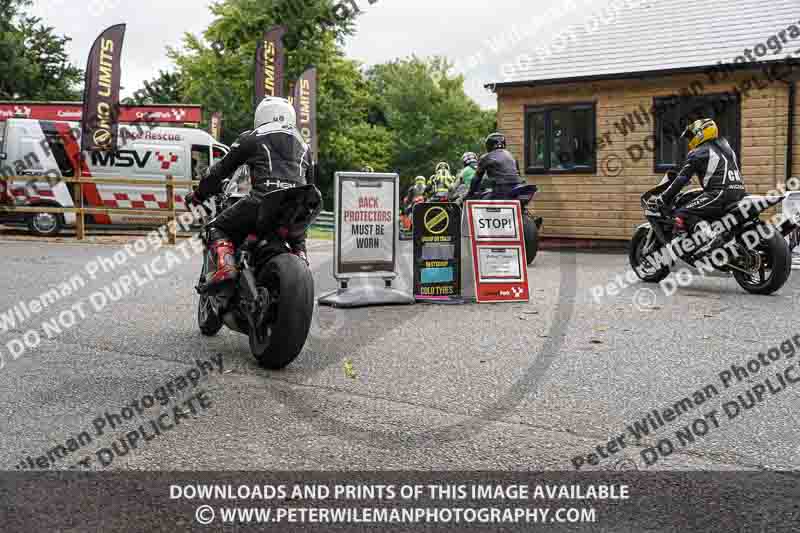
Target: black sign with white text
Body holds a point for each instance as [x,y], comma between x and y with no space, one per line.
[437,251]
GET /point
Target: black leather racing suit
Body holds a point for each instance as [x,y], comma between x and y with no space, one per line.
[278,159]
[497,170]
[716,166]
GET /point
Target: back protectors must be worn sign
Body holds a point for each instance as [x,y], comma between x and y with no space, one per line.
[437,252]
[366,244]
[498,251]
[366,238]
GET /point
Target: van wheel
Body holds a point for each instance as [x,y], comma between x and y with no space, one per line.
[45,224]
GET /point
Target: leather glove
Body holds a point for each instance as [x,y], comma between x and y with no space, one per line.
[656,204]
[193,198]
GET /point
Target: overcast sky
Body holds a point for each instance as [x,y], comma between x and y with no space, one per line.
[387,29]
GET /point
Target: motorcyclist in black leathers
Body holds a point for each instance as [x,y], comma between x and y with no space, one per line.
[714,162]
[278,158]
[497,169]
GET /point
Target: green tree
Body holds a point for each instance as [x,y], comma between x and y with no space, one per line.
[347,139]
[428,112]
[217,71]
[166,88]
[33,59]
[218,66]
[404,116]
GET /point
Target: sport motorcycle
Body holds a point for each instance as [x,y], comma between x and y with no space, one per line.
[272,300]
[754,252]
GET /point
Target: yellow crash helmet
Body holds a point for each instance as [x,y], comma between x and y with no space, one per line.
[701,131]
[420,180]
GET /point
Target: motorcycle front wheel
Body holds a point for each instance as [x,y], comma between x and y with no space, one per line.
[639,251]
[207,319]
[290,285]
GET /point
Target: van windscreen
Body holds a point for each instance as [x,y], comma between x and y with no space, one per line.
[56,144]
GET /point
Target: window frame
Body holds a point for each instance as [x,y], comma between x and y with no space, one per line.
[3,128]
[222,148]
[683,103]
[548,109]
[206,149]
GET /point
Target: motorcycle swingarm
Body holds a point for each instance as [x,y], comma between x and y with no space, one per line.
[248,290]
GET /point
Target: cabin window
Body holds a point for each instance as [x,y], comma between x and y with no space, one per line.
[673,114]
[560,139]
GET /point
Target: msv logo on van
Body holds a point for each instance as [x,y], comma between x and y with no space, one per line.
[122,158]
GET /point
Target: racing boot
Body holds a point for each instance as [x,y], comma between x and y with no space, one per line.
[681,225]
[222,253]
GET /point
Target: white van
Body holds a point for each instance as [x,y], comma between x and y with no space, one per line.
[47,151]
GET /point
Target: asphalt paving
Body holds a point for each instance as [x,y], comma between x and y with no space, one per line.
[528,386]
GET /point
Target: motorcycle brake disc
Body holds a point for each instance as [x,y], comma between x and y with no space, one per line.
[751,263]
[262,306]
[758,261]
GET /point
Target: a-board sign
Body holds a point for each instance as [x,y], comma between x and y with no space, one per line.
[498,251]
[366,227]
[437,252]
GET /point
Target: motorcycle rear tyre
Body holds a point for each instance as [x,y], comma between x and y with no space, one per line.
[531,237]
[779,257]
[291,286]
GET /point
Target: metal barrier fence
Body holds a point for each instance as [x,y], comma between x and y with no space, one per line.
[324,223]
[81,210]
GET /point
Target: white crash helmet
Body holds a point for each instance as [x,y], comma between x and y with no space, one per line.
[273,109]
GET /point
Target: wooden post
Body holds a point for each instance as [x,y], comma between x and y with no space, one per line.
[80,228]
[172,226]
